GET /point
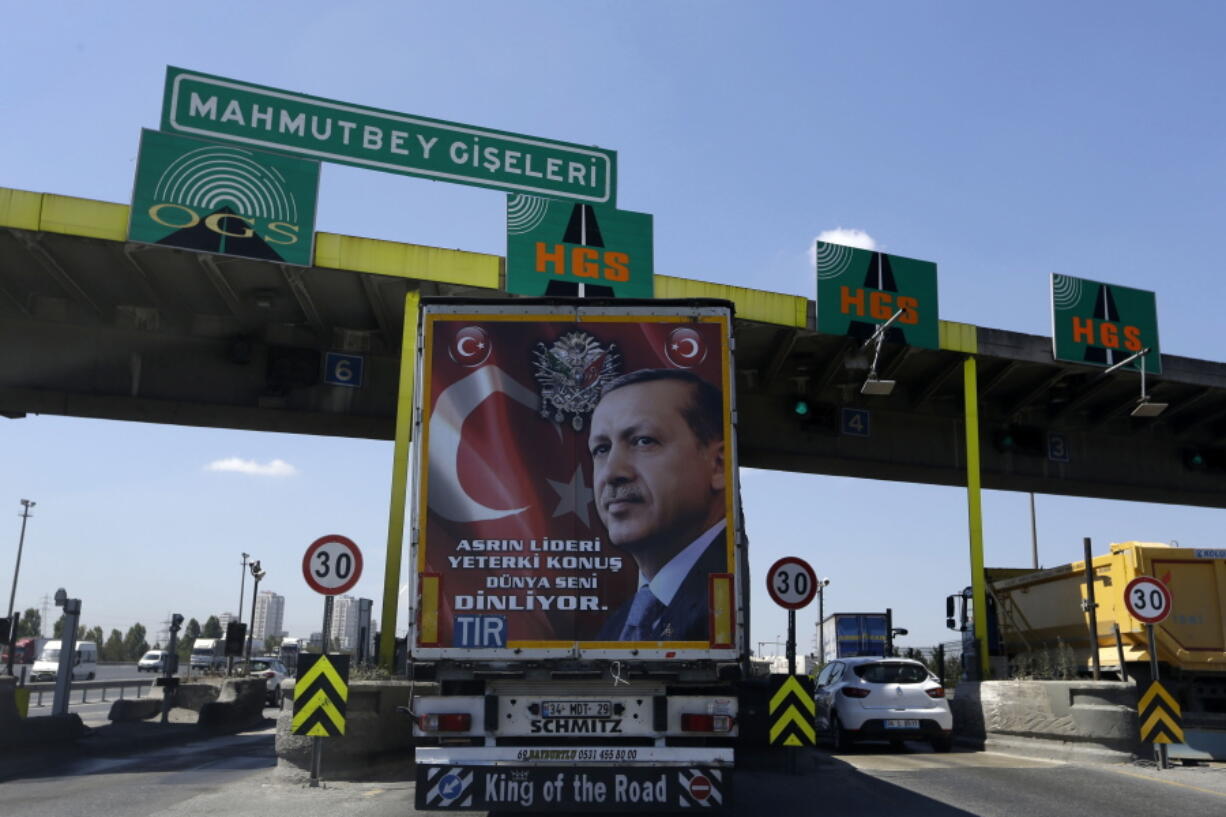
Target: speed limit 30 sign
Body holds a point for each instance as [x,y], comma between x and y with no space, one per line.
[791,583]
[332,565]
[1147,599]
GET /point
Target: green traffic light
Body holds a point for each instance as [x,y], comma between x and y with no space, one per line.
[801,408]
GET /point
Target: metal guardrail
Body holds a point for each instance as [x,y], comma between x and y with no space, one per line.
[85,687]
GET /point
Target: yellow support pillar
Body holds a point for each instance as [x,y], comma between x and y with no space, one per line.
[400,477]
[974,508]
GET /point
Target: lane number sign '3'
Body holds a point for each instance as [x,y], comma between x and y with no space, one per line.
[1147,599]
[332,565]
[791,583]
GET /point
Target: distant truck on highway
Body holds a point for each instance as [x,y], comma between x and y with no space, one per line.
[25,651]
[290,649]
[208,654]
[848,635]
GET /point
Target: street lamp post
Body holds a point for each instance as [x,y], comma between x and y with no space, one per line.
[25,514]
[257,574]
[821,620]
[68,651]
[891,631]
[776,643]
[242,587]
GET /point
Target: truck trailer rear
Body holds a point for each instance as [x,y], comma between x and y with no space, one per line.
[578,561]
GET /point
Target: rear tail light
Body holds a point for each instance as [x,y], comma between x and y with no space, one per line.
[268,674]
[454,722]
[706,723]
[936,692]
[855,692]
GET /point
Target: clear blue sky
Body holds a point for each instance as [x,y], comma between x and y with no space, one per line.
[1002,142]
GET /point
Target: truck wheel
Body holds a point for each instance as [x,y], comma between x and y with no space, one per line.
[838,735]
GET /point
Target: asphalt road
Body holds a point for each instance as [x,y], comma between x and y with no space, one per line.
[235,776]
[167,781]
[873,782]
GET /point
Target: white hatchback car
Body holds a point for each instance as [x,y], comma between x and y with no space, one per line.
[892,699]
[271,670]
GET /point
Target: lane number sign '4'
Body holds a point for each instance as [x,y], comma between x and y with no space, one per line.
[332,565]
[1147,599]
[791,583]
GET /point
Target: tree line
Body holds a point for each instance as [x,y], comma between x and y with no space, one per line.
[117,646]
[120,647]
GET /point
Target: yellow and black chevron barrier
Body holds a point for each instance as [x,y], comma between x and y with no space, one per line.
[791,711]
[1160,716]
[320,694]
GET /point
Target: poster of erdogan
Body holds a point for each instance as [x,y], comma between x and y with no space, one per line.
[576,480]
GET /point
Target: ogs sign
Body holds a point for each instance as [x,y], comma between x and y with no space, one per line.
[225,199]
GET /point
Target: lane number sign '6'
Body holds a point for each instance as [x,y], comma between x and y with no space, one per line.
[1147,599]
[332,565]
[791,583]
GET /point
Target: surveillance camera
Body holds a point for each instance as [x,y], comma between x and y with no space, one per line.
[61,597]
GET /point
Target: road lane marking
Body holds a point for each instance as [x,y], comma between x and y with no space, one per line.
[1167,782]
[373,792]
[927,762]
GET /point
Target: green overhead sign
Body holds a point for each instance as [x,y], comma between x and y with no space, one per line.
[858,290]
[330,131]
[554,245]
[1103,324]
[226,199]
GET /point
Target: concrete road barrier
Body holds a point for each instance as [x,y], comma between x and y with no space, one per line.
[1065,720]
[378,740]
[44,731]
[195,696]
[239,705]
[134,709]
[9,714]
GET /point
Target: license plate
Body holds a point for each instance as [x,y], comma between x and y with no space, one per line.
[903,723]
[577,709]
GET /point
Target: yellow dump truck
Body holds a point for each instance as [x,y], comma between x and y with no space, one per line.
[1038,609]
[1042,613]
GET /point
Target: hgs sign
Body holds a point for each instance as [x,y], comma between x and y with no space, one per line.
[216,198]
[554,244]
[857,290]
[1103,324]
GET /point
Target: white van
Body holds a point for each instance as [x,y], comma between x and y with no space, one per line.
[153,661]
[84,668]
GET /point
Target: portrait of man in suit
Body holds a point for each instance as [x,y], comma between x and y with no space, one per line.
[657,446]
